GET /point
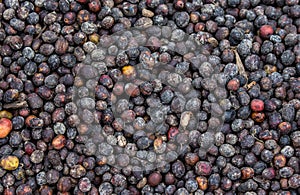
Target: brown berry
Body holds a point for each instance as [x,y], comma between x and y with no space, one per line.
[202,182]
[279,160]
[191,159]
[64,184]
[285,127]
[258,116]
[61,46]
[28,119]
[270,69]
[247,172]
[169,179]
[132,90]
[284,183]
[34,122]
[118,88]
[158,143]
[94,38]
[59,142]
[154,179]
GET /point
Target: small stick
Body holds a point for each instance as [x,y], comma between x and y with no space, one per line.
[250,85]
[39,35]
[239,63]
[257,138]
[16,105]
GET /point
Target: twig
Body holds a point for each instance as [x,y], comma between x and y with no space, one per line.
[250,85]
[16,105]
[240,65]
[39,35]
[257,139]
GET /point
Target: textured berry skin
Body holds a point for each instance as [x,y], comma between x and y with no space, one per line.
[233,85]
[257,105]
[173,131]
[154,179]
[9,163]
[5,127]
[265,31]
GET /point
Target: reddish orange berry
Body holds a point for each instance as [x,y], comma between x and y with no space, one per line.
[24,112]
[233,84]
[82,1]
[28,119]
[9,191]
[202,182]
[179,4]
[5,127]
[265,31]
[59,142]
[257,105]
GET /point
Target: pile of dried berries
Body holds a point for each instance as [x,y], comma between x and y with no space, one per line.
[242,138]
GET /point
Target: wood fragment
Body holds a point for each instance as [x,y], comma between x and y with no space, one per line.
[250,85]
[15,105]
[40,34]
[259,140]
[240,65]
[259,179]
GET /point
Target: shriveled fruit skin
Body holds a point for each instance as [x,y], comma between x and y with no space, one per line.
[5,127]
[9,163]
